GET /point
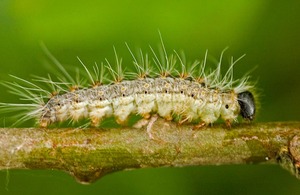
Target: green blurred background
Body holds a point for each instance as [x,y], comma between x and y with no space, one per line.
[267,31]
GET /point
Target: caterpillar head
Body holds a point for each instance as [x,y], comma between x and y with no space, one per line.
[247,105]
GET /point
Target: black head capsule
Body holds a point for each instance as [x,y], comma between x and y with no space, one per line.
[247,104]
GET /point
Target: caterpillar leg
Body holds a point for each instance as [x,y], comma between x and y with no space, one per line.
[200,125]
[122,122]
[228,124]
[149,121]
[141,123]
[150,124]
[168,117]
[183,121]
[43,123]
[95,121]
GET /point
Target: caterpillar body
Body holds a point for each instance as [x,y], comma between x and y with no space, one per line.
[184,93]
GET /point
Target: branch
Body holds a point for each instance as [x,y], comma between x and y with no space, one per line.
[88,154]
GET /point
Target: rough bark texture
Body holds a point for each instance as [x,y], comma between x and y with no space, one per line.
[90,153]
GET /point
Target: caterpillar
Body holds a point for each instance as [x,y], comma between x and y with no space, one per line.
[163,85]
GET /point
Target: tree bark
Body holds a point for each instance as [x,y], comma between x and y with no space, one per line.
[90,153]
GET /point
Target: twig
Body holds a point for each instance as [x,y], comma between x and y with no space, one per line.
[88,154]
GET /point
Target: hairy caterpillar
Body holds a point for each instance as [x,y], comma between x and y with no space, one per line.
[189,93]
